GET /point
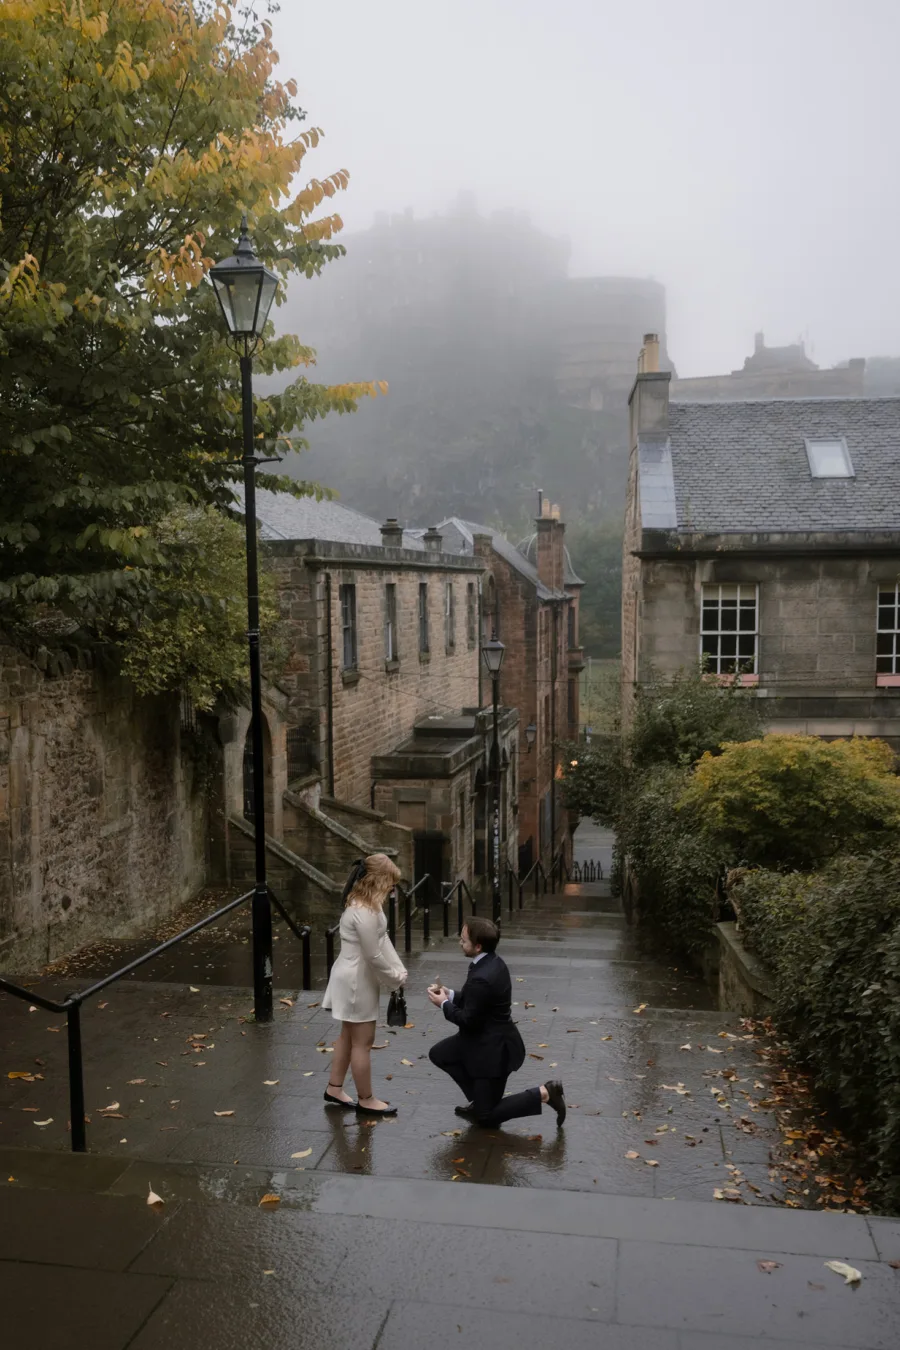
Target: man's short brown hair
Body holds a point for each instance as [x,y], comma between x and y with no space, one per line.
[482,933]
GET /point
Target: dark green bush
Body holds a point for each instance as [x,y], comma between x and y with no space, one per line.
[832,941]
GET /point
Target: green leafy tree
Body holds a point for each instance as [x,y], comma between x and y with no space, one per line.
[795,801]
[199,645]
[133,135]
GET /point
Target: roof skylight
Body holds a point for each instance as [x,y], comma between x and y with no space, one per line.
[829,459]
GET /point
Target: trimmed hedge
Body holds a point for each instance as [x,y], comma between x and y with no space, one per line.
[832,941]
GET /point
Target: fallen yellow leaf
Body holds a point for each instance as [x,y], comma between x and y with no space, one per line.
[154,1199]
[19,1073]
[651,1162]
[304,1154]
[223,1113]
[193,988]
[271,1082]
[640,1008]
[288,1002]
[407,1062]
[632,1153]
[270,1198]
[48,1121]
[850,1273]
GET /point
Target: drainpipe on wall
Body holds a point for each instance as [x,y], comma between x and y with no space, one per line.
[329,684]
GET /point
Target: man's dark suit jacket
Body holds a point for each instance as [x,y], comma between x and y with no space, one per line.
[489,1041]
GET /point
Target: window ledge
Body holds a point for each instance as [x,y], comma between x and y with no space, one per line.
[392,666]
[888,681]
[744,681]
[350,676]
[424,656]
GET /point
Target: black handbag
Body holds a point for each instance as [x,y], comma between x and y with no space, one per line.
[396,1013]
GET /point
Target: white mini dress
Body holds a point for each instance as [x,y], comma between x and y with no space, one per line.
[368,960]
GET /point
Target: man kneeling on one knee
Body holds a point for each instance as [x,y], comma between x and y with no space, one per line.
[487,1048]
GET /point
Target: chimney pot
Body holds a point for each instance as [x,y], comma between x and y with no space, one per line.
[432,539]
[545,509]
[554,512]
[392,533]
[759,341]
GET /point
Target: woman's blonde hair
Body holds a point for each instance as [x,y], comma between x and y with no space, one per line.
[376,882]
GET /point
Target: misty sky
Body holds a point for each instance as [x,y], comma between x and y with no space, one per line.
[744,155]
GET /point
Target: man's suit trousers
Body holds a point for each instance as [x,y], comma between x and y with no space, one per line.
[486,1094]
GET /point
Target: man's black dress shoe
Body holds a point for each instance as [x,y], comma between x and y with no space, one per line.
[556,1099]
[467,1112]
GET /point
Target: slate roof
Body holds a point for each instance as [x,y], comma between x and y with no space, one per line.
[284,517]
[459,536]
[743,467]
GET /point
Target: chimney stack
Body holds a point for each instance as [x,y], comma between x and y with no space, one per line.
[759,342]
[550,559]
[648,361]
[392,533]
[649,398]
[432,539]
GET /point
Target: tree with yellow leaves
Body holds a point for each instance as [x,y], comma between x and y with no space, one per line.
[133,136]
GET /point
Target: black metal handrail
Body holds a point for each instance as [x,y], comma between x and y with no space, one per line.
[71,1006]
[559,869]
[410,913]
[459,889]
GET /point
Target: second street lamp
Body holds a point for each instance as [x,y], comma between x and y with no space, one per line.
[492,652]
[245,290]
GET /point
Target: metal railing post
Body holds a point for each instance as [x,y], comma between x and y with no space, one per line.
[426,919]
[459,911]
[407,922]
[392,918]
[329,950]
[307,958]
[76,1078]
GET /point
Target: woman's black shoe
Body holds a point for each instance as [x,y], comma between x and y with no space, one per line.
[376,1110]
[336,1101]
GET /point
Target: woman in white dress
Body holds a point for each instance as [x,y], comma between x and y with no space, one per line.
[367,961]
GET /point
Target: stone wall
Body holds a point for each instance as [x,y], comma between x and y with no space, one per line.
[103,814]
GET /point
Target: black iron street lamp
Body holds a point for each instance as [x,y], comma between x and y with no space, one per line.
[530,737]
[245,290]
[492,653]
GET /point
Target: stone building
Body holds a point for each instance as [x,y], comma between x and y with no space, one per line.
[764,536]
[374,719]
[774,372]
[530,599]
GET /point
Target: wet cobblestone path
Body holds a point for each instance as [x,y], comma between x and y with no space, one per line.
[667,1097]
